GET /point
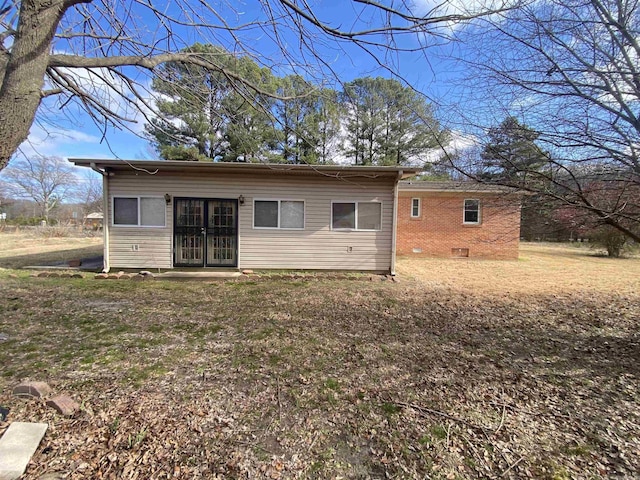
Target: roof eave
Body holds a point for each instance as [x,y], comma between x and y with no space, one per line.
[304,169]
[455,187]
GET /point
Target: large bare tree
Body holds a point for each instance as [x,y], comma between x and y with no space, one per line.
[96,54]
[89,193]
[570,71]
[47,181]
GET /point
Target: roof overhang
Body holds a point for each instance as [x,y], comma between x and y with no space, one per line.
[455,187]
[179,167]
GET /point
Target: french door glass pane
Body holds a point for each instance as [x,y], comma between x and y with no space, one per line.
[189,249]
[190,213]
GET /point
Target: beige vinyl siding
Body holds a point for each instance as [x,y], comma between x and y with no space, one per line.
[314,247]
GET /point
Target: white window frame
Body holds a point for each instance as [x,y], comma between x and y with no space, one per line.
[280,200]
[419,207]
[138,225]
[464,211]
[356,229]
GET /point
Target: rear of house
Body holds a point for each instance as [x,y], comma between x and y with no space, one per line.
[458,219]
[162,214]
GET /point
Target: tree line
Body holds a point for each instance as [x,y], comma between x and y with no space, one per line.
[206,116]
[555,206]
[41,188]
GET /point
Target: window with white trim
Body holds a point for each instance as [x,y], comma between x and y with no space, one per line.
[415,207]
[471,211]
[356,216]
[139,211]
[288,214]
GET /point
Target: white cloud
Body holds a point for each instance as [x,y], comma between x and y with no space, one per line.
[524,101]
[461,141]
[47,141]
[458,144]
[455,6]
[60,140]
[131,100]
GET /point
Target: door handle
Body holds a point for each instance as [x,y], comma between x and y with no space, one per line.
[203,231]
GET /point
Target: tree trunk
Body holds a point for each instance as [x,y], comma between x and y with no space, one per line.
[21,89]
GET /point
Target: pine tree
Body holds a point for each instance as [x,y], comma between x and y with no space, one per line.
[388,123]
[205,117]
[511,154]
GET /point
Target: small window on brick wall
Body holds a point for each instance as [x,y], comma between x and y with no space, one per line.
[415,207]
[472,211]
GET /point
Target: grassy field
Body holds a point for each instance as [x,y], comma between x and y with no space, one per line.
[26,248]
[461,370]
[543,268]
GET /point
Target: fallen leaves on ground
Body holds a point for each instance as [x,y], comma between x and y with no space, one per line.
[323,379]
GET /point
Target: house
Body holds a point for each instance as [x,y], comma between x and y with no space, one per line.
[92,221]
[458,219]
[168,214]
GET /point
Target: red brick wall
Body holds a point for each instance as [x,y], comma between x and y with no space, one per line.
[440,228]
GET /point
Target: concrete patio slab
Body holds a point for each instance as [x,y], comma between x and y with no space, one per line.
[17,446]
[197,275]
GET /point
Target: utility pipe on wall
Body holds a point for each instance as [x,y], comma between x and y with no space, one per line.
[394,220]
[105,216]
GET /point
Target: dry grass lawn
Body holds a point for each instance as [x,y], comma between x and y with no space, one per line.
[543,268]
[25,248]
[324,378]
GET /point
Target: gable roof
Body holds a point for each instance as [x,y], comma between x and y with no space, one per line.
[168,166]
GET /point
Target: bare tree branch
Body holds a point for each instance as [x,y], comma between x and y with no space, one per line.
[569,69]
[134,38]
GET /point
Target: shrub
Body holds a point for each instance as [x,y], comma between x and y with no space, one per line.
[57,231]
[611,239]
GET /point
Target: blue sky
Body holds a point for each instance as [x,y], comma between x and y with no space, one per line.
[70,132]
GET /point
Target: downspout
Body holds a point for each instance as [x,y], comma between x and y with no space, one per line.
[394,222]
[105,216]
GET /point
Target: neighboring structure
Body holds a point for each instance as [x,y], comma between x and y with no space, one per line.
[92,221]
[167,214]
[458,219]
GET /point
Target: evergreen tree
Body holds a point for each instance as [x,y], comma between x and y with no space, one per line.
[250,134]
[387,123]
[295,115]
[511,154]
[363,107]
[205,116]
[325,126]
[511,157]
[311,126]
[190,101]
